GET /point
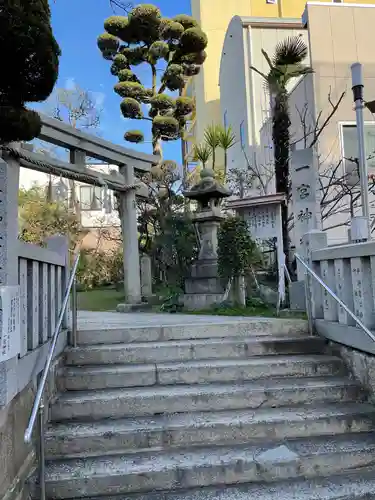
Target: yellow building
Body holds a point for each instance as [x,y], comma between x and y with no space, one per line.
[214,17]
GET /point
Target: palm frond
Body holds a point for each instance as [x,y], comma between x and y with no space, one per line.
[292,50]
[263,75]
[267,58]
[211,136]
[227,138]
[202,153]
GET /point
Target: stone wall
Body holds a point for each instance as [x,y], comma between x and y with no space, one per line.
[18,460]
[361,365]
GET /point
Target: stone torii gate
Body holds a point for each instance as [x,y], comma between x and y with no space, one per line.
[81,146]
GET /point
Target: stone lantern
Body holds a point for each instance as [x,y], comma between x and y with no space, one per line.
[204,288]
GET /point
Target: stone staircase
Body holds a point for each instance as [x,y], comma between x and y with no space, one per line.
[229,411]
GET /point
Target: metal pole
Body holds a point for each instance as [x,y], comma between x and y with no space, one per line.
[42,462]
[357,87]
[74,313]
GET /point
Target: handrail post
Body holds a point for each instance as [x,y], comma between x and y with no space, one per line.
[42,460]
[310,320]
[334,296]
[74,313]
[47,366]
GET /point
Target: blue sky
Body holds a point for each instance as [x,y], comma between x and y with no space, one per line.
[76,25]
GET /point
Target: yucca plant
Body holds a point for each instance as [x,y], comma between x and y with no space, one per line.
[227,139]
[286,64]
[212,139]
[202,153]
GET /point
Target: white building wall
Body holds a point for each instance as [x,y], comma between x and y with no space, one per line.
[244,98]
[89,218]
[234,94]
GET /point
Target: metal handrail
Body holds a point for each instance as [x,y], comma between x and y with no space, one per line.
[39,395]
[334,296]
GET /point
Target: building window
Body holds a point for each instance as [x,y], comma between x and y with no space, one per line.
[337,1]
[350,149]
[271,1]
[225,119]
[91,198]
[242,134]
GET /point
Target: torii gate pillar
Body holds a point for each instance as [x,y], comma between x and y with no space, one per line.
[132,275]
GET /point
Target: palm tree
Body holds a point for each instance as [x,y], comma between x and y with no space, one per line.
[227,139]
[286,64]
[202,153]
[211,137]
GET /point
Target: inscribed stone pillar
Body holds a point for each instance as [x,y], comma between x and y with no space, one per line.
[132,279]
[10,338]
[306,210]
[146,276]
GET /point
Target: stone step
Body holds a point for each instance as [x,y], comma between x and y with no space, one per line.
[118,403]
[197,429]
[183,469]
[199,372]
[231,328]
[186,350]
[351,486]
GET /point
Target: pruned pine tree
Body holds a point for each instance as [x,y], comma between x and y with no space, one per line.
[174,51]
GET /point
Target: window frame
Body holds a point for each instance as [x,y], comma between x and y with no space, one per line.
[92,191]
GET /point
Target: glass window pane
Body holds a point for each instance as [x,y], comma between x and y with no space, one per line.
[350,145]
[85,197]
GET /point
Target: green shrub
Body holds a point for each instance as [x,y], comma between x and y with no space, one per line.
[97,269]
[237,251]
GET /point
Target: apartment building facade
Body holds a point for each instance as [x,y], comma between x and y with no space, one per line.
[214,17]
[337,35]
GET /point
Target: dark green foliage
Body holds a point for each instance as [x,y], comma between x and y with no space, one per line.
[184,106]
[186,21]
[194,57]
[193,40]
[165,127]
[108,54]
[118,26]
[147,96]
[237,252]
[134,136]
[172,31]
[18,124]
[191,69]
[174,249]
[30,60]
[131,108]
[158,50]
[108,43]
[145,21]
[119,62]
[127,75]
[162,102]
[135,55]
[181,121]
[130,89]
[145,37]
[174,77]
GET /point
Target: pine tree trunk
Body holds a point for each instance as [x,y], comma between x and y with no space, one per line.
[281,143]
